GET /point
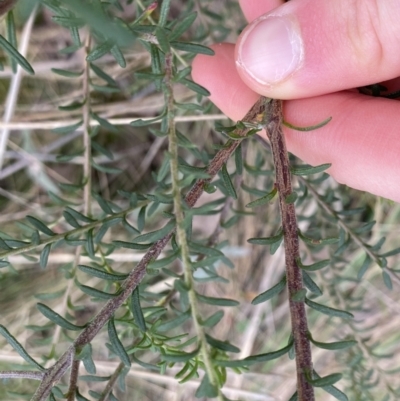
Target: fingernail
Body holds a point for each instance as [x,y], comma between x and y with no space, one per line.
[271,49]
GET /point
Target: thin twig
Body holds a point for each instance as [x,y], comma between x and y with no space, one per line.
[21,374]
[73,380]
[181,232]
[294,277]
[110,384]
[87,166]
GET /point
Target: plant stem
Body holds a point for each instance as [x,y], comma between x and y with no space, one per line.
[87,166]
[181,233]
[273,126]
[110,384]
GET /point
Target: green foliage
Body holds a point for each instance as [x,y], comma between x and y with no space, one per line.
[104,230]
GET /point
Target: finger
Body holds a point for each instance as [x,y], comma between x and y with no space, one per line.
[253,9]
[360,141]
[219,75]
[307,48]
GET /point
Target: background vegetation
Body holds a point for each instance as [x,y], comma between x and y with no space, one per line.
[71,157]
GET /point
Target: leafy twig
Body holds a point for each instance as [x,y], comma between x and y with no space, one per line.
[137,274]
[181,233]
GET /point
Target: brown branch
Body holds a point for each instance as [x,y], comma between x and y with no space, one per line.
[273,126]
[57,371]
[21,374]
[73,380]
[110,384]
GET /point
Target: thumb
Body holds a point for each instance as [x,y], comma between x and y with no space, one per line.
[311,47]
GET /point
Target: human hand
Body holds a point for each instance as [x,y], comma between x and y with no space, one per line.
[317,51]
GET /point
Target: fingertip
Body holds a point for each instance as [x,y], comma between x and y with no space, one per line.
[219,76]
[253,9]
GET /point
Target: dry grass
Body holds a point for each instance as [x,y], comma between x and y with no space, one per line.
[30,168]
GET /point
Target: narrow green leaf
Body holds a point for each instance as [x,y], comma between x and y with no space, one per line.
[183,371]
[154,236]
[192,48]
[222,345]
[66,73]
[264,200]
[44,256]
[299,296]
[275,290]
[179,356]
[308,170]
[49,295]
[162,38]
[130,245]
[79,396]
[195,87]
[68,128]
[157,264]
[118,56]
[328,310]
[164,10]
[228,182]
[387,280]
[93,292]
[310,284]
[333,346]
[12,37]
[364,228]
[173,323]
[3,245]
[214,319]
[266,240]
[57,319]
[312,241]
[217,301]
[364,267]
[310,128]
[100,50]
[291,198]
[206,389]
[102,274]
[90,243]
[103,75]
[4,263]
[79,216]
[393,252]
[15,55]
[85,355]
[326,381]
[141,218]
[143,123]
[335,392]
[196,172]
[315,266]
[116,343]
[40,225]
[145,365]
[137,310]
[182,26]
[106,169]
[19,348]
[104,123]
[268,356]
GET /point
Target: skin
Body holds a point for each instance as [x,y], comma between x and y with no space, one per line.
[348,44]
